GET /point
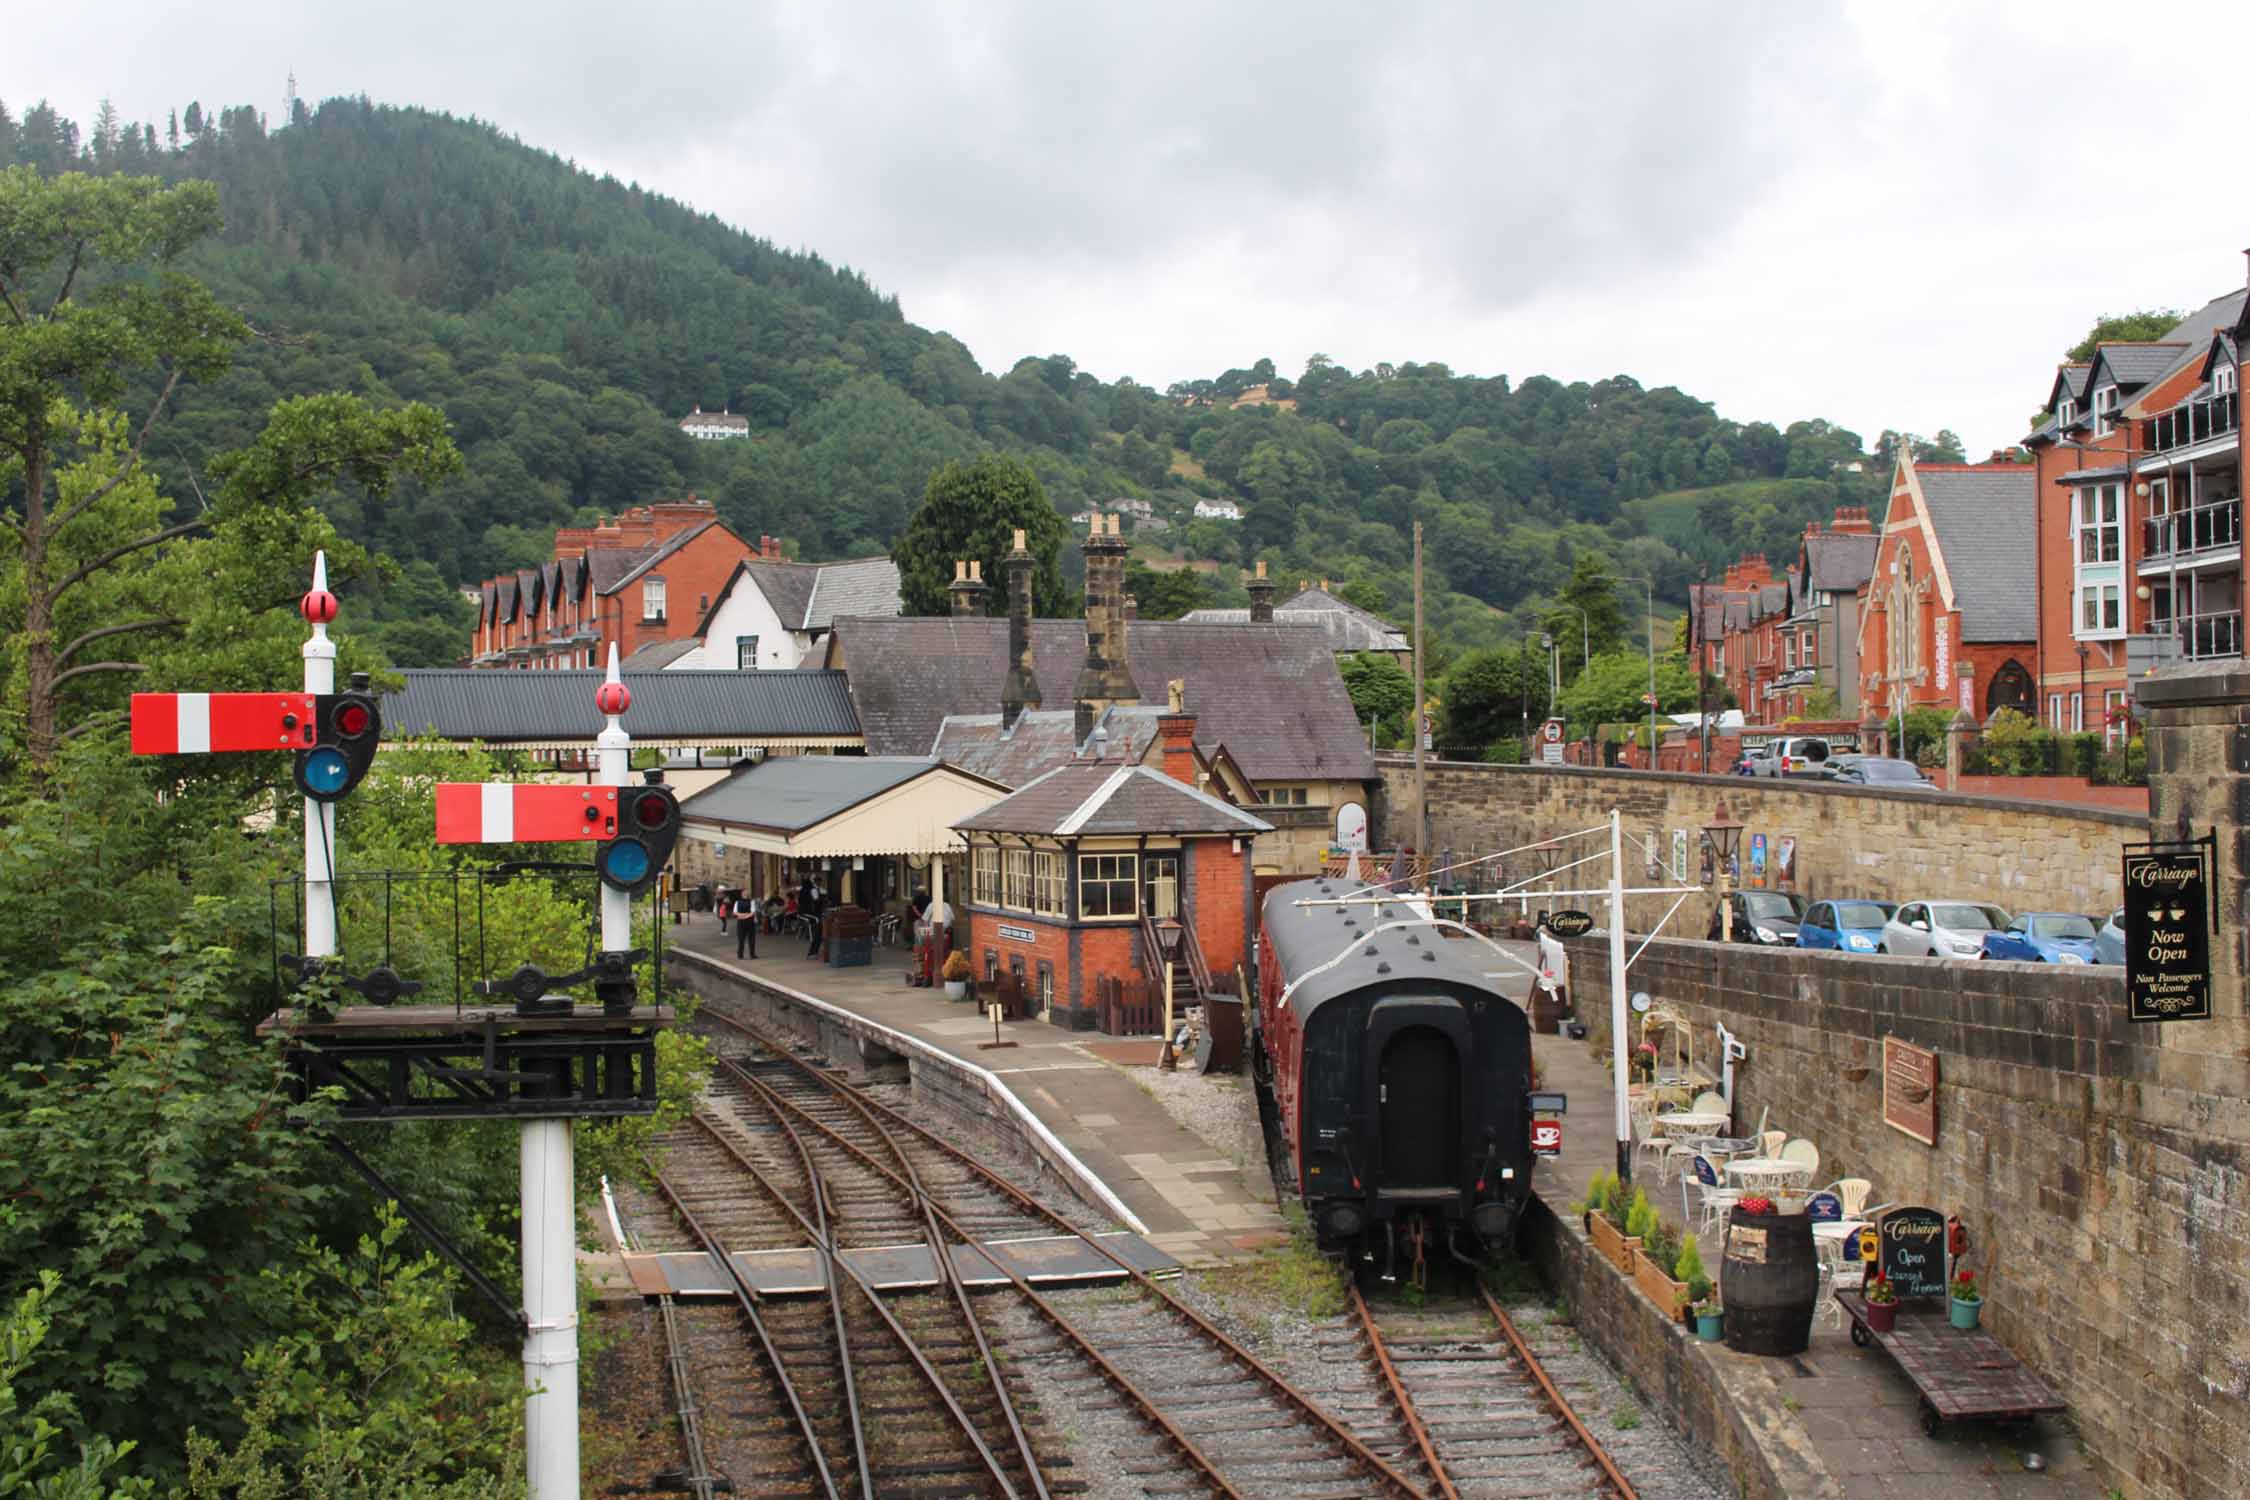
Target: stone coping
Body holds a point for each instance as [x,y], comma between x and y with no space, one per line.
[1769,785]
[2191,686]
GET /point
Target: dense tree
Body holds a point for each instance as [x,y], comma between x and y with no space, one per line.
[1492,695]
[1381,690]
[1614,690]
[1166,594]
[2124,328]
[971,511]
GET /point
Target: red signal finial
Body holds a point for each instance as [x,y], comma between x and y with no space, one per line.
[612,697]
[319,606]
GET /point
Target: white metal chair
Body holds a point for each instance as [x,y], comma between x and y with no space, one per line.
[1716,1200]
[1805,1154]
[1710,1102]
[1647,1138]
[1770,1140]
[886,928]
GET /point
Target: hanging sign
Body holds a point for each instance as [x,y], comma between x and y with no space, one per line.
[1757,859]
[2167,934]
[1910,1090]
[1567,924]
[1912,1245]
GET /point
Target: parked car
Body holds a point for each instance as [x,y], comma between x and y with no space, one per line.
[1792,755]
[1941,929]
[1746,764]
[2043,937]
[1844,926]
[1878,770]
[1763,917]
[2109,939]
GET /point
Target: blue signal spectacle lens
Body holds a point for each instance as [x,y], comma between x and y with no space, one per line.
[326,772]
[624,862]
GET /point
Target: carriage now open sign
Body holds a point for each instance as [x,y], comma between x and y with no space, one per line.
[2167,934]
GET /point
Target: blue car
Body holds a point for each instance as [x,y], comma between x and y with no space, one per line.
[2044,937]
[1845,926]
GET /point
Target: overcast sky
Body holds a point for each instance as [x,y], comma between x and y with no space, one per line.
[1890,215]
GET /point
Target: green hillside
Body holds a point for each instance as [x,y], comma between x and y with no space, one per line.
[564,322]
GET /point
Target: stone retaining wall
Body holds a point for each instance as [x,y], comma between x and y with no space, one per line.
[1851,841]
[2100,1172]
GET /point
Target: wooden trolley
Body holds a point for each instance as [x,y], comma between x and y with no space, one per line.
[1963,1375]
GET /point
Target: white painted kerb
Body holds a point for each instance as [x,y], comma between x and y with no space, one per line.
[900,1041]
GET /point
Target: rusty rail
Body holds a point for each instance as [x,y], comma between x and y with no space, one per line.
[1618,1483]
[1438,1475]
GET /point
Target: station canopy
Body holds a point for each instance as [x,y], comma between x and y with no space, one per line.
[840,806]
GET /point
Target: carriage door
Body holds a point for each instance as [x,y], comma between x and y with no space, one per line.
[1419,1098]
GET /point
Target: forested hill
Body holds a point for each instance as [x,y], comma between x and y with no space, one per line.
[565,322]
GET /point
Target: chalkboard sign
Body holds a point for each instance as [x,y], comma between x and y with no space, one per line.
[2167,949]
[1568,924]
[1912,1251]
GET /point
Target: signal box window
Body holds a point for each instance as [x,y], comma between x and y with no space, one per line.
[1163,886]
[1105,885]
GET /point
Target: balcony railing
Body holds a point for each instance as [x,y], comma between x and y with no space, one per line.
[2202,528]
[2191,422]
[2215,633]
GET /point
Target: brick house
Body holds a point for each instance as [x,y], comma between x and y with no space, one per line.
[1952,617]
[635,579]
[1100,869]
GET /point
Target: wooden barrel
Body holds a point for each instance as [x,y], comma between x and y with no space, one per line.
[1769,1282]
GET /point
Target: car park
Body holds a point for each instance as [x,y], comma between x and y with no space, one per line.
[1878,770]
[2043,937]
[1941,929]
[1762,917]
[1844,926]
[2109,939]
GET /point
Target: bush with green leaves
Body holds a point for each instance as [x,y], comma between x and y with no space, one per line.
[1640,1216]
[44,1449]
[1688,1267]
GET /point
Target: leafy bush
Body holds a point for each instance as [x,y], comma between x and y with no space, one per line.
[1689,1268]
[1640,1218]
[2014,745]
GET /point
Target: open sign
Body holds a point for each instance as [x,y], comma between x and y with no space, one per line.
[1546,1137]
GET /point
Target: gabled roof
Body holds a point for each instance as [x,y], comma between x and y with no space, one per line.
[505,604]
[502,707]
[1270,693]
[1840,562]
[606,567]
[1095,798]
[664,549]
[1986,520]
[2070,380]
[1041,740]
[657,655]
[812,596]
[1347,626]
[792,792]
[2131,366]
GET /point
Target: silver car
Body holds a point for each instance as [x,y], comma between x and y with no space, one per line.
[1941,929]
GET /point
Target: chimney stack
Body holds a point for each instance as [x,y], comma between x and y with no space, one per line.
[967,589]
[1261,596]
[1175,731]
[1105,679]
[1022,688]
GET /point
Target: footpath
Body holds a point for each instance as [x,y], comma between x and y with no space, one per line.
[1199,1206]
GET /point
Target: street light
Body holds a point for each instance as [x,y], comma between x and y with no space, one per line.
[1650,587]
[1554,671]
[1723,834]
[1585,633]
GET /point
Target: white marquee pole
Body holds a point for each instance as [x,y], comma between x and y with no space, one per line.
[1617,1010]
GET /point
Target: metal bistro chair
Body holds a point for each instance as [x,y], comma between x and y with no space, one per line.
[1770,1142]
[1805,1154]
[886,928]
[1647,1138]
[1709,1102]
[1838,1271]
[1717,1200]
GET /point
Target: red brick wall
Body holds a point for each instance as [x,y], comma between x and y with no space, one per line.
[696,571]
[1219,900]
[1104,951]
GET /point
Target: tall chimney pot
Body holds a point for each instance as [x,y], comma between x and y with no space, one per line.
[1105,679]
[1021,691]
[1261,596]
[967,590]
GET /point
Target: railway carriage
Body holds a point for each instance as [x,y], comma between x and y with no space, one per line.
[1400,1075]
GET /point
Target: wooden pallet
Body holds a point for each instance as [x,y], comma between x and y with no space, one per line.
[1963,1374]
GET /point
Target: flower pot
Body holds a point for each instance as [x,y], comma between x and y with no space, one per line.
[1659,1288]
[957,989]
[1882,1316]
[1614,1245]
[1710,1327]
[1964,1314]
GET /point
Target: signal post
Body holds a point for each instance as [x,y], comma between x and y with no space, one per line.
[531,1053]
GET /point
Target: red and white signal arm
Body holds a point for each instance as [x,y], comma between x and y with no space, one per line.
[1546,1137]
[202,723]
[504,812]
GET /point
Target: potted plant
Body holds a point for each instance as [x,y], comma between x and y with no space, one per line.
[1688,1269]
[1882,1303]
[1655,1262]
[956,975]
[1966,1298]
[1710,1320]
[1606,1222]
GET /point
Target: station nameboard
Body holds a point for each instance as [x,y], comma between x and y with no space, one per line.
[2167,934]
[1910,1090]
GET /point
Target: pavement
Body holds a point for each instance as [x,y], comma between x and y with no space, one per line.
[1199,1208]
[1848,1406]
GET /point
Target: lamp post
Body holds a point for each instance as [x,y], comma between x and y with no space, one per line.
[1585,634]
[1554,671]
[1723,834]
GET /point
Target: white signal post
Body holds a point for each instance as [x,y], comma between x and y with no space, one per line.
[1617,1010]
[318,608]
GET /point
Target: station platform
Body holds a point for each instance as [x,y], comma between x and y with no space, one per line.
[1192,1202]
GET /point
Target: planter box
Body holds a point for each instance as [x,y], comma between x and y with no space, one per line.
[1669,1295]
[1619,1250]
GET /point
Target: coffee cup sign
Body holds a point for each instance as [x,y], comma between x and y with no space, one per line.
[1911,1245]
[2167,936]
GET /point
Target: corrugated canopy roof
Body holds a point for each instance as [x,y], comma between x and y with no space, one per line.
[793,792]
[715,707]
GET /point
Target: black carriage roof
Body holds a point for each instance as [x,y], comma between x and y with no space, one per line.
[1415,957]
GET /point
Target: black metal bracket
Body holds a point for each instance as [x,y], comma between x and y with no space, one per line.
[381,984]
[427,1227]
[611,972]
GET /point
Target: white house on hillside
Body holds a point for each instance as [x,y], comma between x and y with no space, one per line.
[712,425]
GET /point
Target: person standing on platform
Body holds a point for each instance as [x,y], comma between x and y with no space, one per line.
[725,909]
[745,924]
[809,907]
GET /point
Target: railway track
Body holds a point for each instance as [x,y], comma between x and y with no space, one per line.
[1484,1417]
[1206,1415]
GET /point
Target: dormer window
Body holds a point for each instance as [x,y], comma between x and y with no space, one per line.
[2066,410]
[2105,411]
[2222,380]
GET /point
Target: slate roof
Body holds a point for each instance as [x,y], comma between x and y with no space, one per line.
[1270,694]
[662,550]
[1088,798]
[812,596]
[2135,365]
[1042,740]
[1986,522]
[790,793]
[606,567]
[1347,629]
[1841,563]
[657,655]
[498,707]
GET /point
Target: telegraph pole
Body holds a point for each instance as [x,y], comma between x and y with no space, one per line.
[1421,775]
